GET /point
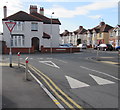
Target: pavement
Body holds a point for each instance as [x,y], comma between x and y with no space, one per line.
[115,60]
[19,93]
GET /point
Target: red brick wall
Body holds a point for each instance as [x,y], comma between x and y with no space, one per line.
[59,50]
[16,50]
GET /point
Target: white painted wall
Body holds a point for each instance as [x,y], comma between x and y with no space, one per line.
[55,33]
[1,37]
[30,34]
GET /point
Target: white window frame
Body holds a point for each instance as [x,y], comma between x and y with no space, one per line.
[34,26]
[18,41]
[19,26]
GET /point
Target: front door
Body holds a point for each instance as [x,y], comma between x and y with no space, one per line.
[35,43]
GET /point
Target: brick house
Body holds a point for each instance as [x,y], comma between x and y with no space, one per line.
[102,33]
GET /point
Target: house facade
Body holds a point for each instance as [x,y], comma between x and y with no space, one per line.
[80,35]
[32,30]
[97,35]
[114,36]
[76,37]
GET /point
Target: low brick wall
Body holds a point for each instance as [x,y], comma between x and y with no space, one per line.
[16,50]
[59,50]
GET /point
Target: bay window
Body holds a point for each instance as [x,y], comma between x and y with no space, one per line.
[18,41]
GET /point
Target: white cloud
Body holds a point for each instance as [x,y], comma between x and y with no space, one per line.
[95,17]
[82,10]
[12,7]
[66,0]
[60,11]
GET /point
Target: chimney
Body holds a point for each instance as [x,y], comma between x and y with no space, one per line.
[102,23]
[80,27]
[5,11]
[33,8]
[41,10]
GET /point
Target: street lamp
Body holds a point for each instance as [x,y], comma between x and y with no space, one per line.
[51,34]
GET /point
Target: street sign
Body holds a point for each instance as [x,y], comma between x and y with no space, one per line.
[10,25]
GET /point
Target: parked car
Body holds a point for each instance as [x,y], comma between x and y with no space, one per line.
[96,46]
[83,46]
[117,48]
[105,47]
[66,45]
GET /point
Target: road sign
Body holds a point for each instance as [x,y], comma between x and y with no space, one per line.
[10,25]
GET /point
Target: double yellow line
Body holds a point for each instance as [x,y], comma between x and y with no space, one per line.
[51,84]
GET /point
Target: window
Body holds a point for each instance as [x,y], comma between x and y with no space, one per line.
[111,34]
[100,34]
[18,26]
[17,40]
[34,26]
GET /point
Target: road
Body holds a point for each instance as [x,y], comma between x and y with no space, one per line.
[79,78]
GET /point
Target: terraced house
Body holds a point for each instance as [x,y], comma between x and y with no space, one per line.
[114,36]
[32,31]
[97,35]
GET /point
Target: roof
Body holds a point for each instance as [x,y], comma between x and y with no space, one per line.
[46,36]
[90,30]
[45,19]
[22,16]
[102,27]
[81,30]
[65,33]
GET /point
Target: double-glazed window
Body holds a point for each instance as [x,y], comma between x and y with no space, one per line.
[100,35]
[17,41]
[111,34]
[19,26]
[34,26]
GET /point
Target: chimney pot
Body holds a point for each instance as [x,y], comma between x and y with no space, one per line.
[33,8]
[42,10]
[80,27]
[5,11]
[102,23]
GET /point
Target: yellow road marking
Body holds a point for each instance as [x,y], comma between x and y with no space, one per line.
[78,106]
[106,57]
[56,101]
[7,64]
[110,62]
[60,97]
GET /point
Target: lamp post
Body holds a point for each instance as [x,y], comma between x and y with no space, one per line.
[51,34]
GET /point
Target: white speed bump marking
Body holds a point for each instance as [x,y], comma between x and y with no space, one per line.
[74,83]
[99,72]
[50,63]
[101,81]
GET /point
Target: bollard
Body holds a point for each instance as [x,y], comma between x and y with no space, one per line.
[26,69]
[97,53]
[18,59]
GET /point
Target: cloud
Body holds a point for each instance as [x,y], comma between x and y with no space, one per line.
[95,17]
[12,7]
[66,1]
[82,10]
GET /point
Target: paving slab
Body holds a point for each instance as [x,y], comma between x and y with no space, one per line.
[19,93]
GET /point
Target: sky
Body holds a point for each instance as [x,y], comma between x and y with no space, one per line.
[71,13]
